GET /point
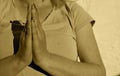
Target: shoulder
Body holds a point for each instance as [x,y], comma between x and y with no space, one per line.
[73,5]
[5,7]
[76,9]
[79,16]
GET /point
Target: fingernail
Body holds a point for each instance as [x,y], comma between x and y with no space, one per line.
[28,6]
[33,9]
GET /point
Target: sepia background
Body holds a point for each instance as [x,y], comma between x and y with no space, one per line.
[107,31]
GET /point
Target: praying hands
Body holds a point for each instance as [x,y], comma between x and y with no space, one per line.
[33,40]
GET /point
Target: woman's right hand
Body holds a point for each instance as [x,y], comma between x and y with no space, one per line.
[24,53]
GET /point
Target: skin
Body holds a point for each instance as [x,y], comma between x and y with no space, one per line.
[15,63]
[33,47]
[52,62]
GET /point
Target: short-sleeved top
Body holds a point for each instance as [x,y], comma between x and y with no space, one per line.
[61,28]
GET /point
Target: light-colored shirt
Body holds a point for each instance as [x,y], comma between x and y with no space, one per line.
[61,28]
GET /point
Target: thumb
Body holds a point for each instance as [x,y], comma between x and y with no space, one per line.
[35,15]
[28,36]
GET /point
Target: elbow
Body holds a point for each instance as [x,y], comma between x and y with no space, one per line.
[102,71]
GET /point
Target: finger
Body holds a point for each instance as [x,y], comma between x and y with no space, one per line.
[35,18]
[35,30]
[35,33]
[28,38]
[29,14]
[22,39]
[28,24]
[35,15]
[36,12]
[28,28]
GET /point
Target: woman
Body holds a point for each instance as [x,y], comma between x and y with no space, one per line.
[51,34]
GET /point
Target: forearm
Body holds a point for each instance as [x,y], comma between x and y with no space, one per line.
[60,66]
[10,66]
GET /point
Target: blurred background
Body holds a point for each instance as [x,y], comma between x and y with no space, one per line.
[107,31]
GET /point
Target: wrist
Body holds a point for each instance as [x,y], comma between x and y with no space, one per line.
[15,65]
[19,61]
[43,58]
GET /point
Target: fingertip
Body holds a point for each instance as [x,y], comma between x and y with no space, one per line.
[28,12]
[33,11]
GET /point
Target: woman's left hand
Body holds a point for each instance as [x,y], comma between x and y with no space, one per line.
[39,38]
[57,65]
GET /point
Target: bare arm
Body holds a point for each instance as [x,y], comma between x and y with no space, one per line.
[60,66]
[12,65]
[91,64]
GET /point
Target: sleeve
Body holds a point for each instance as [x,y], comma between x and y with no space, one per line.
[81,17]
[4,8]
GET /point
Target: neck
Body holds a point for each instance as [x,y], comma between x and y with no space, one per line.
[26,2]
[21,7]
[30,2]
[20,3]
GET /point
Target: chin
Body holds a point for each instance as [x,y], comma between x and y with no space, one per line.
[29,1]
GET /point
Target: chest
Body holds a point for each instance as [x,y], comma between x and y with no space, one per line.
[60,37]
[42,12]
